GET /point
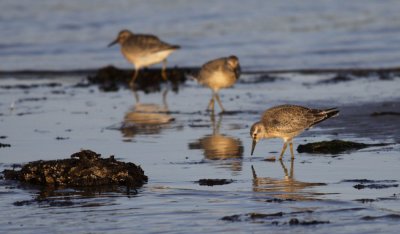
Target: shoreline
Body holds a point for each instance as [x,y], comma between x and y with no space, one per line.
[92,71]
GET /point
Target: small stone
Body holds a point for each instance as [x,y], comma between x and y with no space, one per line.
[270,159]
[212,182]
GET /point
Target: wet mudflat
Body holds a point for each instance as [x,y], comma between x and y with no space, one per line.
[179,145]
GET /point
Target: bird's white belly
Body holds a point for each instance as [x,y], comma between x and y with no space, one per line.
[150,59]
[219,80]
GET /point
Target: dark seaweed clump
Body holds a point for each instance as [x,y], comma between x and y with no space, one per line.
[212,182]
[111,78]
[384,113]
[340,77]
[83,169]
[375,186]
[4,145]
[333,147]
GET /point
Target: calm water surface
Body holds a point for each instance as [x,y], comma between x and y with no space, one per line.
[55,34]
[175,154]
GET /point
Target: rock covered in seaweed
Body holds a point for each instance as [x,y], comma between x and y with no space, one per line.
[333,147]
[83,169]
[111,78]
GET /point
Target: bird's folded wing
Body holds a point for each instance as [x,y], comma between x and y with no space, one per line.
[146,44]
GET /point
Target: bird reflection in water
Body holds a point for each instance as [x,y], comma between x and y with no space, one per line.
[146,118]
[287,188]
[219,146]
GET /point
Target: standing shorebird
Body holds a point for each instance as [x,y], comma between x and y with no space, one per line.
[286,122]
[217,74]
[143,50]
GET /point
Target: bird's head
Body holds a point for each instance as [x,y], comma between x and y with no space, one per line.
[121,38]
[257,132]
[233,63]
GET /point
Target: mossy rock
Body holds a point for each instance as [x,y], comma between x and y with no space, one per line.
[83,169]
[333,147]
[111,78]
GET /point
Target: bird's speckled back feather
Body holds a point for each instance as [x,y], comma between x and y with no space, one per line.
[141,44]
[292,119]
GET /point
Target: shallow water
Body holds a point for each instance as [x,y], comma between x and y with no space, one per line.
[174,140]
[54,119]
[56,34]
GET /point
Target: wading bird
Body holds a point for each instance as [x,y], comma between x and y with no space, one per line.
[143,50]
[217,74]
[286,122]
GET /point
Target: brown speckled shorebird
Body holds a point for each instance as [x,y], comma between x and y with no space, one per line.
[217,74]
[143,50]
[286,122]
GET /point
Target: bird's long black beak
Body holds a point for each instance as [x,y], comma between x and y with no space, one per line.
[238,71]
[113,43]
[253,146]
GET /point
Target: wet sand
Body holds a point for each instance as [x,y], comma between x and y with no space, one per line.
[178,144]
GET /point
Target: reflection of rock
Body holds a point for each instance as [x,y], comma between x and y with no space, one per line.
[220,147]
[284,189]
[145,119]
[82,196]
[83,169]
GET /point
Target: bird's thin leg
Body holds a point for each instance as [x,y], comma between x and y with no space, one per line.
[219,102]
[219,123]
[135,75]
[133,87]
[137,99]
[291,148]
[164,98]
[211,104]
[254,172]
[212,119]
[163,70]
[283,150]
[291,175]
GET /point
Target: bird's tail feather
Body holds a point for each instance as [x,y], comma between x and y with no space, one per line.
[331,112]
[322,115]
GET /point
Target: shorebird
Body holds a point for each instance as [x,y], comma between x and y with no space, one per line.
[217,74]
[286,122]
[143,50]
